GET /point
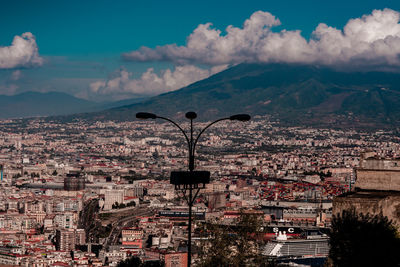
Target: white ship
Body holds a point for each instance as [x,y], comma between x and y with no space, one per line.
[310,251]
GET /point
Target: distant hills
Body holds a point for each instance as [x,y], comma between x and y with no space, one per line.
[292,94]
[33,104]
[295,94]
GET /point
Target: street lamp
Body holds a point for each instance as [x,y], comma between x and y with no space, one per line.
[192,179]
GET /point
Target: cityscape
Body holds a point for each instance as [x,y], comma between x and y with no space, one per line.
[96,194]
[205,134]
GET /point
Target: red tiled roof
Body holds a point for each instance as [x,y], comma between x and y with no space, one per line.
[60,264]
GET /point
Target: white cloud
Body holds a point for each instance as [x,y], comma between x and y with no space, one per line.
[151,83]
[23,52]
[371,39]
[16,75]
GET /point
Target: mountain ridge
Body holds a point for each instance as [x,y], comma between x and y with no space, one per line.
[290,93]
[38,104]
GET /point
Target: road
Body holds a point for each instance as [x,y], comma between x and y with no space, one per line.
[88,212]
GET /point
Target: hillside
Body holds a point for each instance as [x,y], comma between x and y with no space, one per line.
[291,93]
[34,104]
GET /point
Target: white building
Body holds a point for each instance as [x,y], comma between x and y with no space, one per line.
[113,196]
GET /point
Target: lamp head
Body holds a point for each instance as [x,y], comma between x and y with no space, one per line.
[191,115]
[240,117]
[145,115]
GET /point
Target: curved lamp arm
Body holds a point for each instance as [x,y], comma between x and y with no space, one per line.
[237,117]
[179,127]
[202,131]
[192,115]
[146,115]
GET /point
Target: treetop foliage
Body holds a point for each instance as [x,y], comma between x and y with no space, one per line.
[363,240]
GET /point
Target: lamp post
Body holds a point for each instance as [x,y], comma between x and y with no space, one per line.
[191,180]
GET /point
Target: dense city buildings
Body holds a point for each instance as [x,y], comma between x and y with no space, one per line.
[94,194]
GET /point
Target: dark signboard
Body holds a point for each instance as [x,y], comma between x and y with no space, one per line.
[187,177]
[182,214]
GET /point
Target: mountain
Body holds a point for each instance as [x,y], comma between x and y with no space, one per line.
[294,94]
[120,103]
[34,104]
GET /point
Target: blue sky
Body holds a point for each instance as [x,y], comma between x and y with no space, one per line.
[83,47]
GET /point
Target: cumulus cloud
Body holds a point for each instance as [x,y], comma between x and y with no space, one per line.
[151,83]
[371,39]
[23,52]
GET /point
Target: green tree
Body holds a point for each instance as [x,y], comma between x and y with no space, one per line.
[136,262]
[236,244]
[363,240]
[130,262]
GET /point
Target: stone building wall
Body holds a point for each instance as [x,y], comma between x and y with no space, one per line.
[386,180]
[377,189]
[372,202]
[380,164]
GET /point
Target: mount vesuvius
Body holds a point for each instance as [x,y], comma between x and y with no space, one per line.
[291,93]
